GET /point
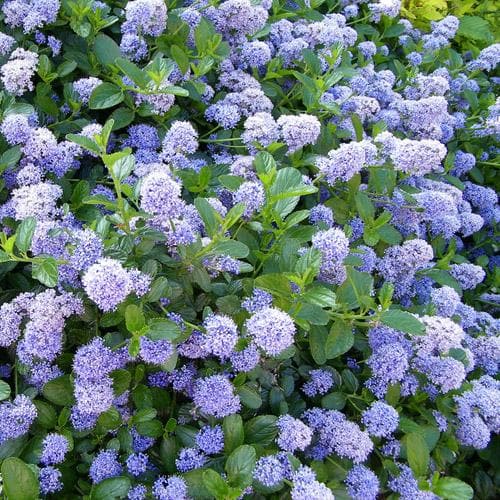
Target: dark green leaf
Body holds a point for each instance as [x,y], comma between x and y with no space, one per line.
[137,75]
[451,488]
[4,390]
[24,234]
[215,484]
[417,452]
[208,214]
[163,329]
[111,488]
[232,248]
[334,401]
[240,465]
[249,397]
[134,318]
[105,96]
[19,481]
[365,207]
[403,321]
[233,432]
[317,341]
[261,430]
[122,117]
[106,49]
[59,391]
[355,288]
[46,415]
[44,269]
[180,57]
[121,381]
[339,340]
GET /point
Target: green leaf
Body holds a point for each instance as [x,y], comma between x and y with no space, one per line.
[234,434]
[121,381]
[4,390]
[365,207]
[111,488]
[196,486]
[418,453]
[215,484]
[151,428]
[389,234]
[122,167]
[24,234]
[333,401]
[232,248]
[264,163]
[46,415]
[137,75]
[163,329]
[240,465]
[317,341]
[358,127]
[122,117]
[451,488]
[357,287]
[66,68]
[208,214]
[44,269]
[134,318]
[59,391]
[475,28]
[261,430]
[180,57]
[10,157]
[249,397]
[19,480]
[339,340]
[106,49]
[84,142]
[319,296]
[402,321]
[286,190]
[275,283]
[105,96]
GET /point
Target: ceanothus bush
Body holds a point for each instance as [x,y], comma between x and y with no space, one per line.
[247,250]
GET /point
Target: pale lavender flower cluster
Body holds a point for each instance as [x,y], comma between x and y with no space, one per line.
[380,419]
[85,86]
[478,413]
[305,485]
[336,434]
[104,465]
[173,487]
[16,417]
[399,264]
[343,163]
[108,283]
[321,382]
[260,128]
[142,17]
[271,329]
[334,247]
[17,72]
[293,434]
[30,14]
[299,130]
[224,403]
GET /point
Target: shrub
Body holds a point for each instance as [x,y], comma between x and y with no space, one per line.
[247,250]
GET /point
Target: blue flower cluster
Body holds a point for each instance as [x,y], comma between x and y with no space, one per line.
[247,250]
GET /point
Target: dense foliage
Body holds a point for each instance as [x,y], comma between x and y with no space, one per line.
[248,251]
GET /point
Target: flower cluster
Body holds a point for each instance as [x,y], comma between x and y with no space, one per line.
[248,249]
